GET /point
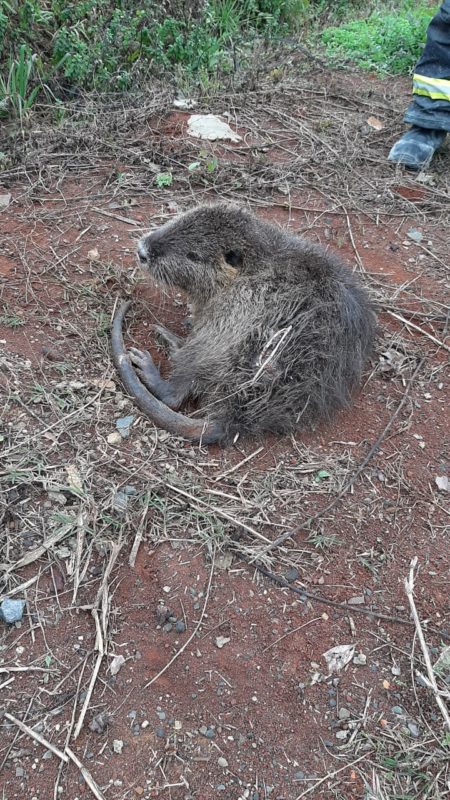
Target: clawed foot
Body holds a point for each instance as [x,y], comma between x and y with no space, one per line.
[171,340]
[146,368]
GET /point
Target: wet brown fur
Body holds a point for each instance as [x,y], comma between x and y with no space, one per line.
[281,329]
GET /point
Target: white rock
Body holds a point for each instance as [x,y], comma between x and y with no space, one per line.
[208,126]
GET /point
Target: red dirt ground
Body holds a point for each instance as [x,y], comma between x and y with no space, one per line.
[248,720]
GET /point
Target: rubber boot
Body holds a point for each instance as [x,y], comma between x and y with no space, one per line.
[417,147]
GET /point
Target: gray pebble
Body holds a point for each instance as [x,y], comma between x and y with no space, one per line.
[160,733]
[180,627]
[413,729]
[221,787]
[210,733]
[291,574]
[120,502]
[332,703]
[299,776]
[344,713]
[356,601]
[167,627]
[161,715]
[20,772]
[397,710]
[12,610]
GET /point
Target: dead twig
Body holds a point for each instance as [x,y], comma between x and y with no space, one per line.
[36,736]
[417,328]
[101,625]
[409,589]
[318,598]
[86,774]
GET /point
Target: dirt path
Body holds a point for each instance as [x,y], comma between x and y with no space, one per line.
[247,708]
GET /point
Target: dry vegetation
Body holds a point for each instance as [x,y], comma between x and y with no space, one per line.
[81,505]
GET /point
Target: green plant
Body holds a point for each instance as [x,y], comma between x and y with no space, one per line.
[11,320]
[384,42]
[163,179]
[16,95]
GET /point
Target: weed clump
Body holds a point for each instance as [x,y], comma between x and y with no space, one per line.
[384,42]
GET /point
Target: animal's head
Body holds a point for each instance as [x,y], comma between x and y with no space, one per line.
[205,249]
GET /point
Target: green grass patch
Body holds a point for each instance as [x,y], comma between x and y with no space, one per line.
[385,42]
[62,48]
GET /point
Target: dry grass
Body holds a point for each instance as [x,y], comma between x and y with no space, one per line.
[72,502]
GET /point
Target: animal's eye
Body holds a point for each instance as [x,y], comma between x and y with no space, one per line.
[194,257]
[234,258]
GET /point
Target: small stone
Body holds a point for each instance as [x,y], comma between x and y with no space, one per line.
[415,235]
[180,627]
[167,627]
[116,664]
[123,425]
[20,772]
[360,660]
[222,762]
[413,729]
[359,600]
[120,502]
[100,722]
[161,715]
[145,724]
[162,613]
[344,713]
[397,710]
[11,611]
[221,641]
[210,733]
[221,787]
[291,574]
[47,755]
[117,745]
[299,776]
[160,733]
[114,438]
[342,734]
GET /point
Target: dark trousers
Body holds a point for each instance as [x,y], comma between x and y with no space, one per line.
[430,107]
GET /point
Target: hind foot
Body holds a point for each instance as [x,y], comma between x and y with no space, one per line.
[171,340]
[148,374]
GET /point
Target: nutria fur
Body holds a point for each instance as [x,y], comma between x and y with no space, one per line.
[281,328]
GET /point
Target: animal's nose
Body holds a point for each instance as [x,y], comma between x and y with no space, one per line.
[142,252]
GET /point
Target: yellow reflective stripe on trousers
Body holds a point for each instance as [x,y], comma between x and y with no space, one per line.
[435,88]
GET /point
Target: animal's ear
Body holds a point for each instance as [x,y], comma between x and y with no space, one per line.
[234,258]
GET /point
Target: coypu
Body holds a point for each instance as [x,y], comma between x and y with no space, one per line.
[281,328]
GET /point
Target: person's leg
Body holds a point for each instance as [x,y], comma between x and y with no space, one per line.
[429,111]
